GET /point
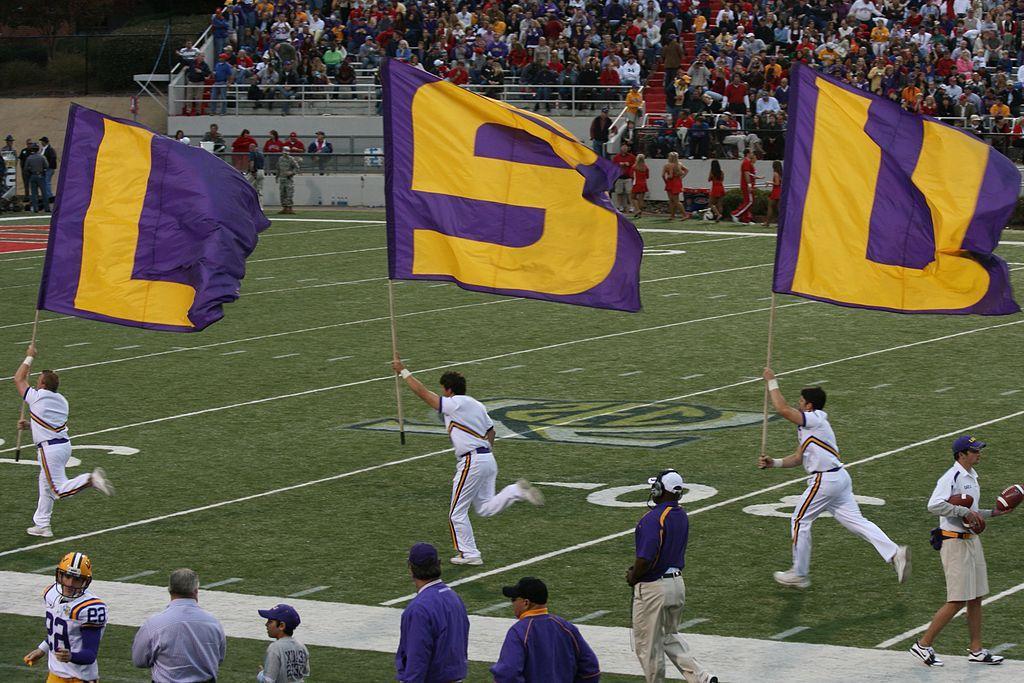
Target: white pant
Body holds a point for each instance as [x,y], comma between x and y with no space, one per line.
[832,492]
[473,485]
[53,482]
[657,607]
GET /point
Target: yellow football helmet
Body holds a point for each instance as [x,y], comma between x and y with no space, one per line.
[74,574]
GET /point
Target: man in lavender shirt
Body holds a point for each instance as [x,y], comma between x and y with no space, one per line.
[184,643]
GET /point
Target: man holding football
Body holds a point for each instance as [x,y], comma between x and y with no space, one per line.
[955,500]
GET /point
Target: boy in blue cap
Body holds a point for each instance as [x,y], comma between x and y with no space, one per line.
[287,659]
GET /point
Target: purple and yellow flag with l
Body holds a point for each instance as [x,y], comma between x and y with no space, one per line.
[889,210]
[146,231]
[500,200]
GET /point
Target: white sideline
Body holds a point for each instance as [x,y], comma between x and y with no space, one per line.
[341,324]
[322,253]
[923,627]
[344,475]
[376,629]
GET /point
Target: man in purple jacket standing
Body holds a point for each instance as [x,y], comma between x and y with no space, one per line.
[434,645]
[541,647]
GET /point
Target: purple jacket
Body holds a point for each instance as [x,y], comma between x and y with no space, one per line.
[544,648]
[434,645]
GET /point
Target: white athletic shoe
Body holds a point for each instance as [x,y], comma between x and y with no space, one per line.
[791,579]
[901,562]
[734,219]
[926,654]
[43,531]
[471,561]
[708,678]
[983,656]
[100,482]
[531,493]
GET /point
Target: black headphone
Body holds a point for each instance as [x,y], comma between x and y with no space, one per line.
[657,487]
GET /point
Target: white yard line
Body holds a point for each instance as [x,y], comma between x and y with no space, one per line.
[924,627]
[331,360]
[322,253]
[699,374]
[325,220]
[264,235]
[789,632]
[707,508]
[681,231]
[376,629]
[333,387]
[590,617]
[308,591]
[496,607]
[271,336]
[690,623]
[222,582]
[710,272]
[1011,392]
[881,386]
[285,355]
[138,575]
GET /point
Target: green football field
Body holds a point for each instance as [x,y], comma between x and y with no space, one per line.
[265,449]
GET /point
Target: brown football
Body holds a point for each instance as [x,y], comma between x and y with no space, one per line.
[977,528]
[1010,498]
[959,499]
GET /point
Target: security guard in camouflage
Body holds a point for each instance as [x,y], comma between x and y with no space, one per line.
[287,167]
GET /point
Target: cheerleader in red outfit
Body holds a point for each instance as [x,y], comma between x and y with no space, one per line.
[673,174]
[717,179]
[773,198]
[640,175]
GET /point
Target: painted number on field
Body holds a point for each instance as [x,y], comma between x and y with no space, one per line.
[612,497]
[784,508]
[28,453]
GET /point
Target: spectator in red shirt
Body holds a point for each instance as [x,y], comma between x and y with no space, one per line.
[274,145]
[240,151]
[458,75]
[625,161]
[294,144]
[736,94]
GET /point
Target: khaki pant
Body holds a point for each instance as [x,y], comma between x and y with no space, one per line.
[657,608]
[963,562]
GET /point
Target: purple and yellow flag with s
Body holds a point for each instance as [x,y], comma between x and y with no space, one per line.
[500,200]
[889,210]
[146,231]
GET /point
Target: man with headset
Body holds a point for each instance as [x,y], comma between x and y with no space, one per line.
[657,582]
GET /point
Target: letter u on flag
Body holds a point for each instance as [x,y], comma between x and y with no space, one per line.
[500,200]
[890,210]
[146,231]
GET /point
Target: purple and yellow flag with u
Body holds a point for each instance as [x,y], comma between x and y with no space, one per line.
[500,200]
[146,231]
[889,210]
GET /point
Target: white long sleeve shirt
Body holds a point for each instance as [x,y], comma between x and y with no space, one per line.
[956,480]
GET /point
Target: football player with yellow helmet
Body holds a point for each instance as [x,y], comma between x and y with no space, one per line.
[75,621]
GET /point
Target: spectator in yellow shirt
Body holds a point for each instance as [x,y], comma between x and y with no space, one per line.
[634,103]
[997,109]
[879,38]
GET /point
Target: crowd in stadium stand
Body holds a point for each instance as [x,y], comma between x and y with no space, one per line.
[947,58]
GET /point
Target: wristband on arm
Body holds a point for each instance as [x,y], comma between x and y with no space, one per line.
[405,374]
[773,385]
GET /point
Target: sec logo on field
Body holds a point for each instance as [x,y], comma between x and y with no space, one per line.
[602,423]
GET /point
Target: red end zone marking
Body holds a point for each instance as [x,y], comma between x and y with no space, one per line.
[23,238]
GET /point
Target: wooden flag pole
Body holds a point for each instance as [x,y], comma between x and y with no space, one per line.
[768,364]
[394,354]
[21,416]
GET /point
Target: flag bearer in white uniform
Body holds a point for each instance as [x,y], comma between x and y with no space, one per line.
[48,418]
[829,489]
[472,435]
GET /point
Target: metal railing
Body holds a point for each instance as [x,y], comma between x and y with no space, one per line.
[314,164]
[365,99]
